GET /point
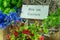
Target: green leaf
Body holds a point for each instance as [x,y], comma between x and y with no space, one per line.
[45,30]
[12,37]
[19,3]
[12,10]
[6,3]
[6,11]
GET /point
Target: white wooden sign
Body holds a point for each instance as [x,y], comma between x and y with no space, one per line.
[35,11]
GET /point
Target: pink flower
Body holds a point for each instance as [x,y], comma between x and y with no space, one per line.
[18,21]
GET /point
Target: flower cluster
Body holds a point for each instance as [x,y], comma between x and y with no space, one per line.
[5,20]
[22,31]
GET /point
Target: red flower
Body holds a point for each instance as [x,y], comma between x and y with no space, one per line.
[26,31]
[41,38]
[22,24]
[8,37]
[16,33]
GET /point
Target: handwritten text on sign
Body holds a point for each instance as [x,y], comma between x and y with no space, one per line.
[34,11]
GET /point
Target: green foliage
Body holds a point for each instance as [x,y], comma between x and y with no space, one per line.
[7,5]
[19,4]
[6,11]
[53,20]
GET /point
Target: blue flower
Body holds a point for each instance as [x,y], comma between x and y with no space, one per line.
[13,15]
[4,25]
[2,17]
[20,19]
[3,20]
[6,20]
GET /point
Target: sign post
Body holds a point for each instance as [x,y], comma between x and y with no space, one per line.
[38,12]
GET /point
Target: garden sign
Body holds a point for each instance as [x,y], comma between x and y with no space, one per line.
[35,11]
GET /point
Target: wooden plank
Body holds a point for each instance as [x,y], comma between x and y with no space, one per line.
[55,36]
[1,34]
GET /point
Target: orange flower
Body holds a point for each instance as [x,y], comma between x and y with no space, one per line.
[7,37]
